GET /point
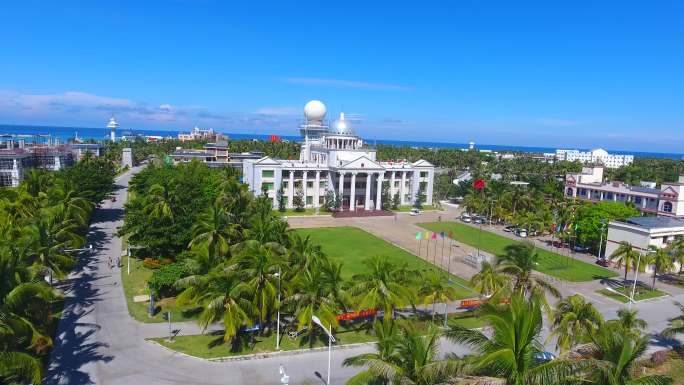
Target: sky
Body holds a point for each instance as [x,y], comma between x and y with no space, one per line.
[549,73]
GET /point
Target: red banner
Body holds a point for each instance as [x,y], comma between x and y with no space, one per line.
[479,184]
[357,314]
[274,138]
[473,303]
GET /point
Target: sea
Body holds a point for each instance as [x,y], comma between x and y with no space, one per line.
[85,133]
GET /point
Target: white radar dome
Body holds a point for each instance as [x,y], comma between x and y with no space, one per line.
[315,110]
[342,126]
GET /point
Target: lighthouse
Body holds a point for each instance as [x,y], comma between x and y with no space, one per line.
[113,125]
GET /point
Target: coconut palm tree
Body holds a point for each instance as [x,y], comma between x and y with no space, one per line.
[158,202]
[625,255]
[408,357]
[677,251]
[46,240]
[488,281]
[573,320]
[221,297]
[303,252]
[511,349]
[629,321]
[615,357]
[382,287]
[434,288]
[518,262]
[676,324]
[661,260]
[213,232]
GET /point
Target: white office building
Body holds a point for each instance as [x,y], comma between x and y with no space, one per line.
[333,158]
[596,156]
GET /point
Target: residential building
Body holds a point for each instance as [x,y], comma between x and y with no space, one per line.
[199,134]
[596,156]
[16,161]
[80,149]
[333,158]
[668,200]
[214,155]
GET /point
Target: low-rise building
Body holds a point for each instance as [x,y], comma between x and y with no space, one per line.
[643,232]
[199,134]
[214,155]
[80,149]
[333,158]
[668,200]
[596,156]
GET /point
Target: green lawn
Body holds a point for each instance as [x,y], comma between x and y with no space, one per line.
[212,346]
[306,212]
[405,209]
[136,284]
[352,246]
[550,263]
[640,294]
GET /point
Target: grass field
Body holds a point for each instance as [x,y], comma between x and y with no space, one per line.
[135,284]
[212,346]
[306,212]
[405,209]
[550,263]
[352,246]
[641,293]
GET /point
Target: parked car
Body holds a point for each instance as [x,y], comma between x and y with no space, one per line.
[509,228]
[478,220]
[522,233]
[581,249]
[466,218]
[414,212]
[603,262]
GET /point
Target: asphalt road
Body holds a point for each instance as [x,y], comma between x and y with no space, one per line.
[99,343]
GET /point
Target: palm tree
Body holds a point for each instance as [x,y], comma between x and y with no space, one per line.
[382,287]
[46,241]
[303,252]
[487,281]
[676,324]
[573,321]
[158,202]
[257,265]
[510,350]
[409,357]
[625,255]
[677,252]
[221,297]
[213,232]
[629,321]
[661,260]
[434,288]
[615,359]
[519,262]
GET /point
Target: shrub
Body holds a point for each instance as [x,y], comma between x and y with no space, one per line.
[163,279]
[151,263]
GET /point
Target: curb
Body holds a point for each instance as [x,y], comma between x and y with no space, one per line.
[256,356]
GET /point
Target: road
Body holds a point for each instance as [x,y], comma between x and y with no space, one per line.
[97,342]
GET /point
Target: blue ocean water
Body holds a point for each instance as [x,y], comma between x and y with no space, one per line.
[65,133]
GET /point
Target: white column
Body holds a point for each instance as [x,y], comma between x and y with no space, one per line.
[402,188]
[392,178]
[378,193]
[304,189]
[341,183]
[290,188]
[317,188]
[429,187]
[369,180]
[352,196]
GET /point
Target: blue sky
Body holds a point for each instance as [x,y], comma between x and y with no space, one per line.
[547,73]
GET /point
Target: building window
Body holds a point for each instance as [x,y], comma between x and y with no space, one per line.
[637,200]
[568,192]
[309,184]
[267,173]
[285,184]
[396,184]
[323,183]
[667,207]
[267,186]
[321,200]
[423,174]
[309,200]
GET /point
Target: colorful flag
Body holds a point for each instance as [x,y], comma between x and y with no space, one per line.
[434,235]
[479,184]
[451,234]
[418,235]
[427,235]
[441,234]
[553,228]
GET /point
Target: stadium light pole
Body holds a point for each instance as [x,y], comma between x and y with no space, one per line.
[331,339]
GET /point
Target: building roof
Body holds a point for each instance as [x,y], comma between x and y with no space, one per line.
[655,222]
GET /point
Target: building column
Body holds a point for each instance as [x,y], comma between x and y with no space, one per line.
[352,196]
[369,180]
[402,188]
[429,187]
[290,188]
[378,193]
[304,189]
[392,179]
[341,185]
[317,189]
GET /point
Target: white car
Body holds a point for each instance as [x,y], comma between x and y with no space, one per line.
[414,212]
[522,233]
[466,218]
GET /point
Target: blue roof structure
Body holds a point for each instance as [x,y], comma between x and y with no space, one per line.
[655,222]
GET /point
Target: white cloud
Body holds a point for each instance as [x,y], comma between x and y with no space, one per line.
[344,83]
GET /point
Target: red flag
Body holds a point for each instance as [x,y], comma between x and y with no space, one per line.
[434,235]
[479,184]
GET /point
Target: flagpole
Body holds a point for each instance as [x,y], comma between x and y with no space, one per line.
[441,264]
[427,248]
[420,242]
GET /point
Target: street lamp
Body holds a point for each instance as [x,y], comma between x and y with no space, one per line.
[278,318]
[636,277]
[603,226]
[331,339]
[610,289]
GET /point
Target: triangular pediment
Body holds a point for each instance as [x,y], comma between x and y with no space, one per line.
[267,161]
[669,190]
[362,163]
[422,163]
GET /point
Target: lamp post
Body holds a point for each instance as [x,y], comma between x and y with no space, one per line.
[331,339]
[278,317]
[603,226]
[636,277]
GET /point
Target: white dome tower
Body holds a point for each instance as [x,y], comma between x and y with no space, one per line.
[314,114]
[113,125]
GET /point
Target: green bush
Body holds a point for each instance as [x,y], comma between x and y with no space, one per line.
[163,278]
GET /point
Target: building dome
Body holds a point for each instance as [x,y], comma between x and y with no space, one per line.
[342,126]
[314,110]
[599,152]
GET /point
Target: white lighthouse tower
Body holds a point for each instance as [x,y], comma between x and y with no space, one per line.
[113,125]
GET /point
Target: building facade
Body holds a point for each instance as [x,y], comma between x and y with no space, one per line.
[198,134]
[333,158]
[596,156]
[668,200]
